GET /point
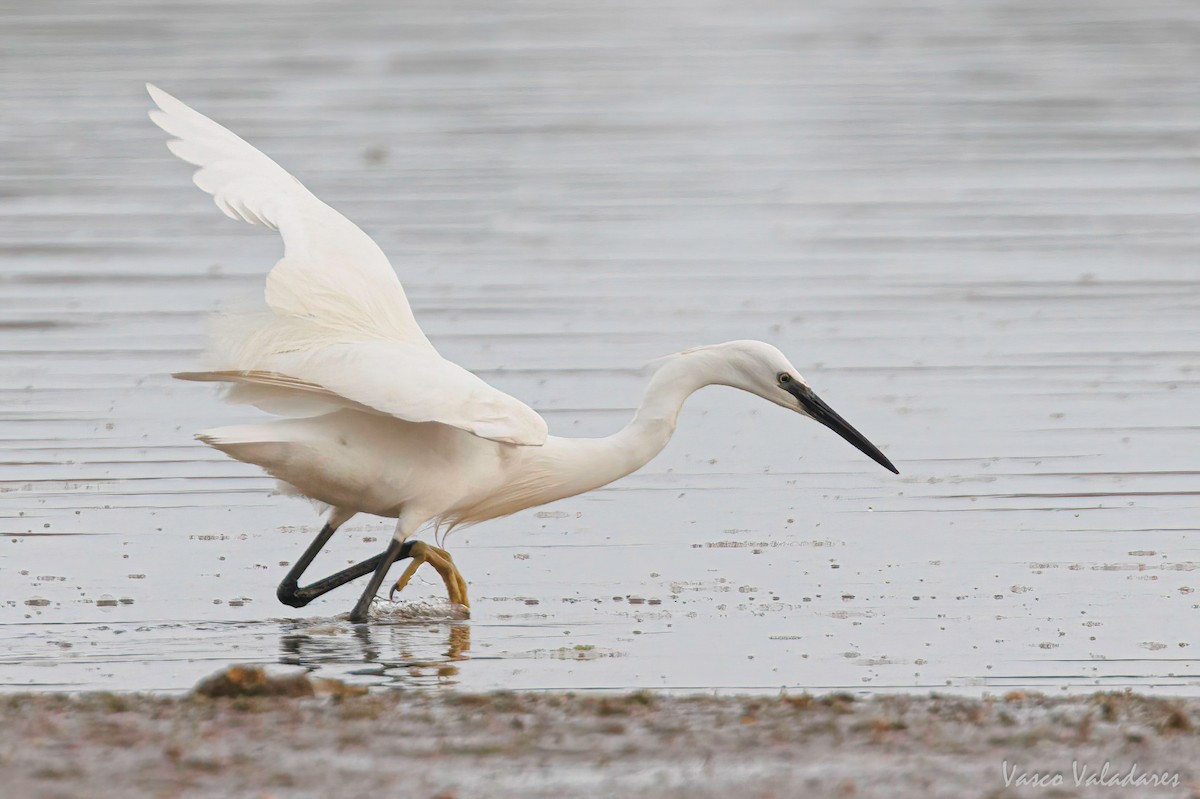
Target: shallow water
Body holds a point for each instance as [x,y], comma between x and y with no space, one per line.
[973,226]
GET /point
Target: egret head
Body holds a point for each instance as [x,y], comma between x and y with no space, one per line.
[761,369]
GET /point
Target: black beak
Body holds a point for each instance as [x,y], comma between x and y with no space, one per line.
[815,407]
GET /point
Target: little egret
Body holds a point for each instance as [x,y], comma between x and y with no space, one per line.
[373,419]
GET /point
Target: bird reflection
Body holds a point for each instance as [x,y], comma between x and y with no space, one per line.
[392,653]
[460,642]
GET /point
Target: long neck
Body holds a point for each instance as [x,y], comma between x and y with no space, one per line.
[582,464]
[654,423]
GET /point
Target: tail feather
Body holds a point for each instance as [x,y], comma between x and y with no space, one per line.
[259,444]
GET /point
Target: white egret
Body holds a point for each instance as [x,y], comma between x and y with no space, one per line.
[373,419]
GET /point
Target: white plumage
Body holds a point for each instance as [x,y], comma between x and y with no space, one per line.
[338,297]
[374,419]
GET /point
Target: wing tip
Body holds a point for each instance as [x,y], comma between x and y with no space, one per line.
[158,95]
[161,115]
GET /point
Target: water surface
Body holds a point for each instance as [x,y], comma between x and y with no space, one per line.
[972,225]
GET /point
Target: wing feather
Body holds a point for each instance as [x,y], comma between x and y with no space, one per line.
[392,379]
[331,270]
[342,333]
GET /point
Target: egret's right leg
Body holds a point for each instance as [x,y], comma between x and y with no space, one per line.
[440,560]
[359,614]
[420,552]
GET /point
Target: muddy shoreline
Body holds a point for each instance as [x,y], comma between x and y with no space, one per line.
[448,744]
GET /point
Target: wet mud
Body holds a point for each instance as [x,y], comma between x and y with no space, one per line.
[972,225]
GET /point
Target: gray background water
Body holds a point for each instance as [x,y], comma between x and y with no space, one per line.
[972,225]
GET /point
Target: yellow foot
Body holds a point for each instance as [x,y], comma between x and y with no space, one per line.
[440,560]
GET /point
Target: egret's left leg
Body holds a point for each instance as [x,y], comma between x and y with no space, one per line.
[290,592]
[299,597]
[439,559]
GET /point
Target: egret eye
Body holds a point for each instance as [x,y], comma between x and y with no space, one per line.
[784,377]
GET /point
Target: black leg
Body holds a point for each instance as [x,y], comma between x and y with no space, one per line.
[389,556]
[289,591]
[299,597]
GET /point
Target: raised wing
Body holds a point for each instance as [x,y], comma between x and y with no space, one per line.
[388,378]
[342,335]
[331,271]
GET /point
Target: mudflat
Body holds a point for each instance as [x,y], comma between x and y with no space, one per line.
[971,225]
[449,744]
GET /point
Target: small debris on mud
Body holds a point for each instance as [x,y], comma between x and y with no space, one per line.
[253,681]
[247,681]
